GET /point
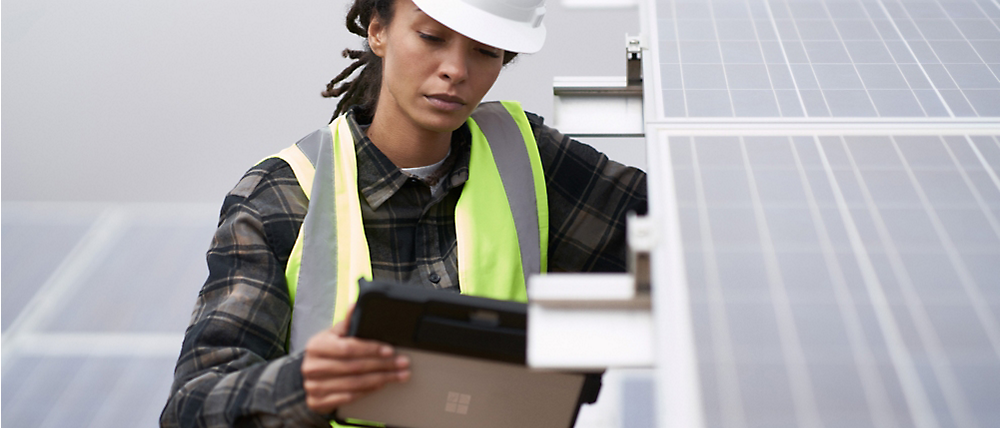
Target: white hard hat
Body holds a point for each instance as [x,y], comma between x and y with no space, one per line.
[511,25]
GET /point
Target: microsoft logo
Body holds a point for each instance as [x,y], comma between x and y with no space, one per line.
[458,403]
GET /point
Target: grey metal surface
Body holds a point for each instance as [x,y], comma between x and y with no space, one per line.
[827,58]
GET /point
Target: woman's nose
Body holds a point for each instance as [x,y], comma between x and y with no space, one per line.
[454,66]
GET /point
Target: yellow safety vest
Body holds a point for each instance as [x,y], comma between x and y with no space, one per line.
[501,218]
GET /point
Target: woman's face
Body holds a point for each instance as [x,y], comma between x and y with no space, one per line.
[432,76]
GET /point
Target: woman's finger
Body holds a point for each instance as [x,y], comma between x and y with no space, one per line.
[330,367]
[327,344]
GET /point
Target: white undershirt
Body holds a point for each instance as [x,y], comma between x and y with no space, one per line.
[425,172]
[422,172]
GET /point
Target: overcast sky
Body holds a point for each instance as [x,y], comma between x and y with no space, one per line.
[114,100]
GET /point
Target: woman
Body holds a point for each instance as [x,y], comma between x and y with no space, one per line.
[411,146]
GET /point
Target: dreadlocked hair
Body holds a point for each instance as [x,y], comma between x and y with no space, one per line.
[364,89]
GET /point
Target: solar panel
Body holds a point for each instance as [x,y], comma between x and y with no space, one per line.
[827,173]
[101,292]
[842,279]
[836,58]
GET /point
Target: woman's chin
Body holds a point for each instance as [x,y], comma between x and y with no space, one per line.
[443,121]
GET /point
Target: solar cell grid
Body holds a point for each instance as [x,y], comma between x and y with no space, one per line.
[828,58]
[842,280]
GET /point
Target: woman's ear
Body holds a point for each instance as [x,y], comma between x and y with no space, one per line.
[376,36]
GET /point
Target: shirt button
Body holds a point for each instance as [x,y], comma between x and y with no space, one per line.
[434,277]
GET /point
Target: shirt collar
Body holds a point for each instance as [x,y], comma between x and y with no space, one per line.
[379,179]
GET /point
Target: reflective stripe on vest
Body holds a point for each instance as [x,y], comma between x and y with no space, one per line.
[501,218]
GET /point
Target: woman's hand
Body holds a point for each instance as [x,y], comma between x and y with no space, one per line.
[338,369]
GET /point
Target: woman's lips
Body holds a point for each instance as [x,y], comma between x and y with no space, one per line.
[446,102]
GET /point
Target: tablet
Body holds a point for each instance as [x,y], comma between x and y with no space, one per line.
[467,359]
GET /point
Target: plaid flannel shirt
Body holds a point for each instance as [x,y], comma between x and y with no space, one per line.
[234,369]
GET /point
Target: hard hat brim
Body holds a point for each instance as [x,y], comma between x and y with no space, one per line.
[484,27]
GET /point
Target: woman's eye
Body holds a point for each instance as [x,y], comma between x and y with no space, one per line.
[490,53]
[430,38]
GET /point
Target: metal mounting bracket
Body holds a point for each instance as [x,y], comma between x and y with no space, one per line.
[642,237]
[603,106]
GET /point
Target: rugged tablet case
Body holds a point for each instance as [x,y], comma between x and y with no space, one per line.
[441,321]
